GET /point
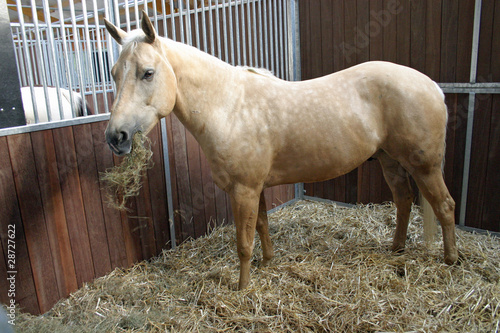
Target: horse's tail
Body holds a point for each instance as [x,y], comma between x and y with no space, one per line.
[430,225]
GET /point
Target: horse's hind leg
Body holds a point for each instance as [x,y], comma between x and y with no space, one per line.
[431,183]
[263,230]
[397,179]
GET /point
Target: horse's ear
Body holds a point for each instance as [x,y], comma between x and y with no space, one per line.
[115,32]
[148,29]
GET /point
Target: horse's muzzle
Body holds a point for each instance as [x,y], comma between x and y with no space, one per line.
[120,142]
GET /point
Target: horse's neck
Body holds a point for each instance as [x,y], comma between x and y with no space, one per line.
[206,86]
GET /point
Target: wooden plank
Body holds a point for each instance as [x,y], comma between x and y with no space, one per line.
[10,214]
[479,161]
[52,200]
[23,167]
[89,182]
[305,40]
[403,33]
[390,33]
[448,45]
[417,37]
[350,50]
[459,150]
[364,183]
[73,204]
[158,194]
[112,218]
[376,31]
[464,39]
[195,180]
[326,22]
[173,179]
[183,185]
[433,39]
[491,206]
[4,283]
[338,35]
[362,30]
[315,38]
[144,219]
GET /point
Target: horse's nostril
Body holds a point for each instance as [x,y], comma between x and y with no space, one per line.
[123,136]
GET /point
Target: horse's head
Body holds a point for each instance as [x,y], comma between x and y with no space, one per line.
[145,83]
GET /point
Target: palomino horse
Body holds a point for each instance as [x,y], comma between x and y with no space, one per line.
[259,131]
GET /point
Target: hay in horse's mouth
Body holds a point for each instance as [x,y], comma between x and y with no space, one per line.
[124,180]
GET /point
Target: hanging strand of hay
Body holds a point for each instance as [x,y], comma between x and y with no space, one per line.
[124,180]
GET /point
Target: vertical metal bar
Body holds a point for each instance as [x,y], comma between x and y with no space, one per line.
[249,30]
[155,14]
[197,25]
[224,31]
[181,21]
[39,55]
[164,12]
[271,41]
[231,35]
[116,17]
[237,22]
[243,33]
[27,57]
[168,183]
[211,25]
[276,39]
[172,20]
[90,66]
[217,29]
[189,34]
[470,115]
[294,42]
[79,70]
[281,42]
[261,36]
[52,50]
[256,34]
[127,14]
[136,12]
[204,26]
[99,55]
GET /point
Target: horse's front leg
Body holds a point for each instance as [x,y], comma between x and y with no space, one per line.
[245,205]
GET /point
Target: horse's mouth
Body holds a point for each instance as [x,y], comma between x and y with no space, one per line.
[119,151]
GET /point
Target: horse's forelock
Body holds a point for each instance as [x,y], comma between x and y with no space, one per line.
[134,37]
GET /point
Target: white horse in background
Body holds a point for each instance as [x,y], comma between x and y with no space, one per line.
[68,111]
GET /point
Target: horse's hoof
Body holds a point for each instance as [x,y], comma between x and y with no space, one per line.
[451,259]
[265,262]
[397,249]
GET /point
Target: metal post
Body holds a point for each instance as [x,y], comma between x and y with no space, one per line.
[168,183]
[470,115]
[11,106]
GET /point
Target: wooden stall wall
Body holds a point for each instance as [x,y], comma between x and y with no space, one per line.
[66,234]
[434,37]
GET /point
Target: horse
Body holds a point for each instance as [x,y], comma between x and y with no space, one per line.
[41,105]
[259,131]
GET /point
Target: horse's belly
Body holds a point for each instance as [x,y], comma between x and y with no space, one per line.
[317,165]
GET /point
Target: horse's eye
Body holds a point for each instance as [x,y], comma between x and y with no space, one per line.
[149,75]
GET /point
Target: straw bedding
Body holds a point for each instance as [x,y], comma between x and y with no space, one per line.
[333,271]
